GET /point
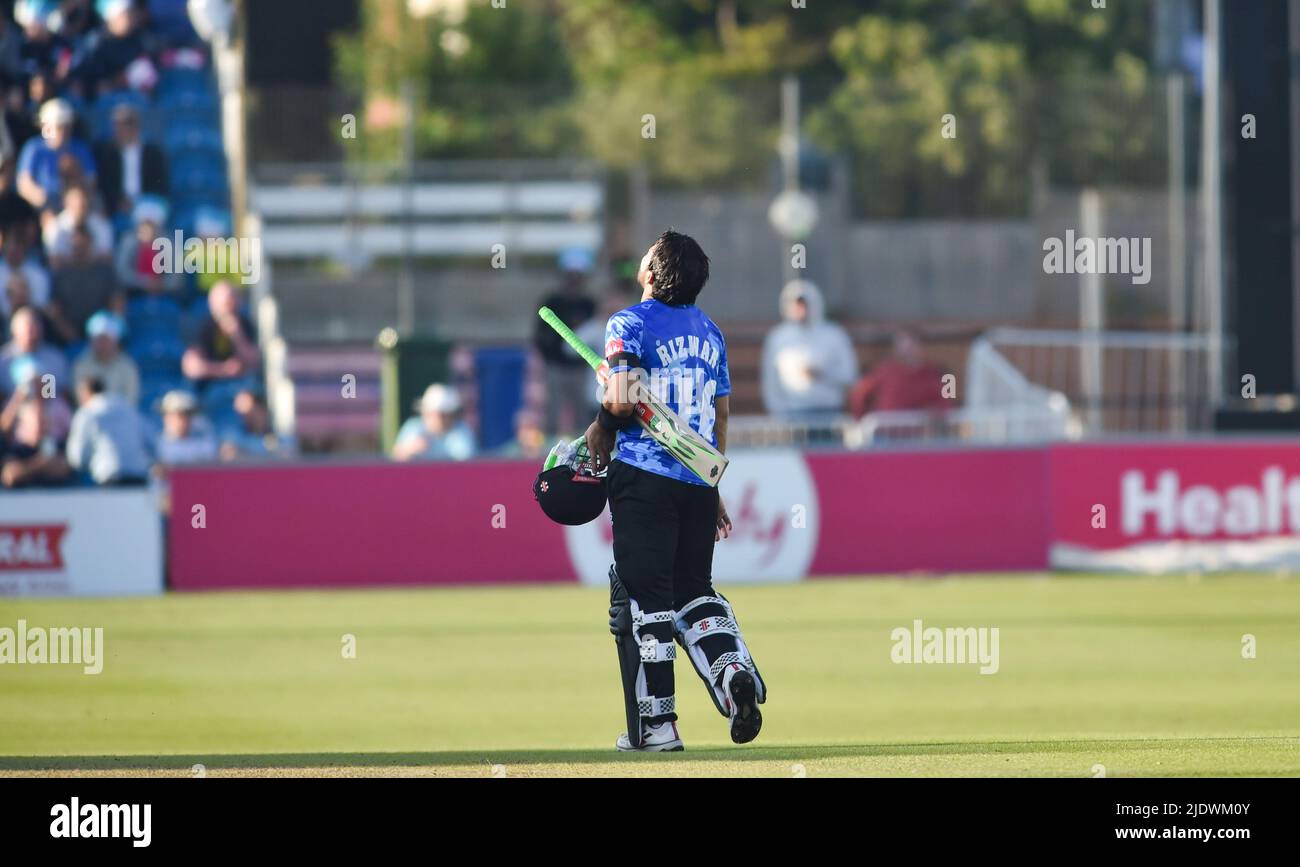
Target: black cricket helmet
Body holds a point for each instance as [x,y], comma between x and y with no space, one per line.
[568,488]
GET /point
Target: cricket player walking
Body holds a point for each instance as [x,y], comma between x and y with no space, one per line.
[666,517]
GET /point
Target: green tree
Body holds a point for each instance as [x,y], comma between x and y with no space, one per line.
[1056,79]
[487,82]
[1053,80]
[699,72]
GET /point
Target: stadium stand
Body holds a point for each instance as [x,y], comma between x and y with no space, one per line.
[146,57]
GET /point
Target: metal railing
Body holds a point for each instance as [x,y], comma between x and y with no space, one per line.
[1117,382]
[1025,385]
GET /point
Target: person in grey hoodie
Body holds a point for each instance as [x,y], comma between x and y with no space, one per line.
[108,439]
[808,363]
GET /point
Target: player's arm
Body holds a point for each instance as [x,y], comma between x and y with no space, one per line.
[618,399]
[722,412]
[616,408]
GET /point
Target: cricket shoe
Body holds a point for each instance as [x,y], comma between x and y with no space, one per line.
[742,704]
[662,738]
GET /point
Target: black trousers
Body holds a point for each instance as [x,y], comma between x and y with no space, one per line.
[663,550]
[663,536]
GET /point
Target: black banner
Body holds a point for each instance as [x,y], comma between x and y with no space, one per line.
[214,815]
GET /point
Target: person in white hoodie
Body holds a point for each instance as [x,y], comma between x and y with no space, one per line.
[808,363]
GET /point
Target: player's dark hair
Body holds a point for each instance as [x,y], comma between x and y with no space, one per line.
[680,269]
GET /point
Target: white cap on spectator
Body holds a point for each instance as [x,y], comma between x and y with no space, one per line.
[179,400]
[58,112]
[149,209]
[44,12]
[440,398]
[576,260]
[108,323]
[112,8]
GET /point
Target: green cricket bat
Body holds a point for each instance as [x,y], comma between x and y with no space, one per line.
[656,417]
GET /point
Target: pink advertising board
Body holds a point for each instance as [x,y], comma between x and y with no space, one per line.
[941,510]
[1164,507]
[328,525]
[359,525]
[1130,507]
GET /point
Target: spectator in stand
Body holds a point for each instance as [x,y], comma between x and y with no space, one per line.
[568,377]
[530,439]
[16,259]
[136,256]
[11,53]
[18,294]
[186,436]
[129,167]
[105,362]
[77,21]
[44,162]
[904,381]
[225,348]
[19,126]
[26,355]
[437,433]
[108,441]
[38,93]
[808,363]
[17,217]
[8,152]
[253,437]
[111,54]
[43,51]
[33,428]
[78,212]
[81,287]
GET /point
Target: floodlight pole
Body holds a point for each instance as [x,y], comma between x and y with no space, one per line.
[1212,205]
[789,148]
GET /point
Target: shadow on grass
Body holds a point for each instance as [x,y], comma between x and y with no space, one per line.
[776,753]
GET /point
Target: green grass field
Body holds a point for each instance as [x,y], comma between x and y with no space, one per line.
[1141,676]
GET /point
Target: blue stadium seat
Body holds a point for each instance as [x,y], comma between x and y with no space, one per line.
[190,106]
[160,351]
[154,385]
[219,397]
[198,310]
[188,183]
[170,19]
[183,218]
[206,161]
[185,139]
[177,81]
[143,314]
[202,194]
[225,421]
